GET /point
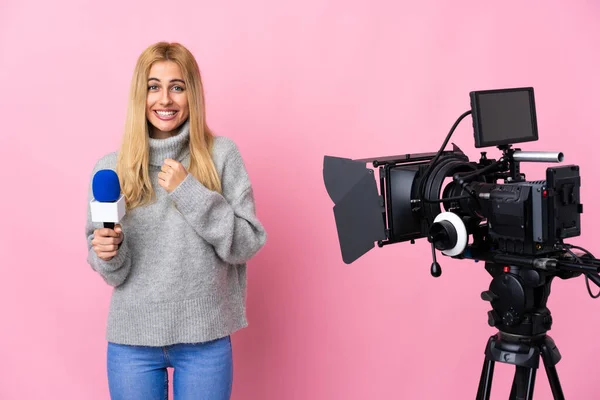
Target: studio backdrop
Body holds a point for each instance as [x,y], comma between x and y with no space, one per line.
[291,82]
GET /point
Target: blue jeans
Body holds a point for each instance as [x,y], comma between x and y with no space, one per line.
[200,371]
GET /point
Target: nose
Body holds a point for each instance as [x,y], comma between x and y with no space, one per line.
[165,98]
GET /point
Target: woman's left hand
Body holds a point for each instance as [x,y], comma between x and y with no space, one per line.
[171,175]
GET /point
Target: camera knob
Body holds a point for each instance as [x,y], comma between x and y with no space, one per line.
[511,317]
[493,318]
[488,295]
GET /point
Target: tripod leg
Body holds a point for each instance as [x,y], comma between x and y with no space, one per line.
[550,365]
[523,383]
[530,383]
[485,383]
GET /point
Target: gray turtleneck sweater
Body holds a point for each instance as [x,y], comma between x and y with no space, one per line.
[180,273]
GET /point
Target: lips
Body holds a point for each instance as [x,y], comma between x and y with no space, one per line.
[165,115]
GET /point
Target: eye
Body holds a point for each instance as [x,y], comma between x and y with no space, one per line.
[178,88]
[153,87]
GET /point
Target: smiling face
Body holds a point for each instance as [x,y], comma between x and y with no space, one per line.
[166,102]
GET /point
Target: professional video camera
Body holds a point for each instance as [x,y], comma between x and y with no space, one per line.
[517,227]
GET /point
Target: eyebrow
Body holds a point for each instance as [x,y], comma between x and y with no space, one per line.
[172,80]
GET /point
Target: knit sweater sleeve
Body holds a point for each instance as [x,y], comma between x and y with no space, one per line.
[227,221]
[114,271]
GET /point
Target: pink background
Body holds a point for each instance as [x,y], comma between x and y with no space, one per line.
[289,82]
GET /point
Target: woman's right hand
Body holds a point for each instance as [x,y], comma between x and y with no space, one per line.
[106,242]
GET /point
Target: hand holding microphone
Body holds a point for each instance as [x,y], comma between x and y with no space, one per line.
[108,207]
[106,242]
[171,174]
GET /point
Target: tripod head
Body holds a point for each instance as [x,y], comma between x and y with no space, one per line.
[518,294]
[518,298]
[520,286]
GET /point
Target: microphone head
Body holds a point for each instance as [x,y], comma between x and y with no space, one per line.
[105,186]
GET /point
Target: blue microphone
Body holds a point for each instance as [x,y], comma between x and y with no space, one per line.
[106,186]
[108,205]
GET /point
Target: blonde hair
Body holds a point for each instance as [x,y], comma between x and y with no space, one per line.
[133,157]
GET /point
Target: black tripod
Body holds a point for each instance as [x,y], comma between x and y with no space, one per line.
[524,353]
[518,297]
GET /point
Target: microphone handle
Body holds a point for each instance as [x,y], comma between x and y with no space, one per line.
[110,225]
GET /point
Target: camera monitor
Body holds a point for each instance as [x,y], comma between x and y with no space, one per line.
[503,116]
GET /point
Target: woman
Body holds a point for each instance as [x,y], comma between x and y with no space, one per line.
[177,260]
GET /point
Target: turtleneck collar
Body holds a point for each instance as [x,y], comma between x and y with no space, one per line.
[175,147]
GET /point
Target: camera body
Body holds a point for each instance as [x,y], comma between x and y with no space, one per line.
[498,210]
[531,218]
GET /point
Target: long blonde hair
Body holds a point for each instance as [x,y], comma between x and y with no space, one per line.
[133,157]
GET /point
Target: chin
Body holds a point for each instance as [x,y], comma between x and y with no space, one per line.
[166,126]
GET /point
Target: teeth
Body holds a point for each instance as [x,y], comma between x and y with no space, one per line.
[166,113]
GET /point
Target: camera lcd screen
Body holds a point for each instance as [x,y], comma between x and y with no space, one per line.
[503,116]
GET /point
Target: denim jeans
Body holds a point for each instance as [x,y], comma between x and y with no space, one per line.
[200,371]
